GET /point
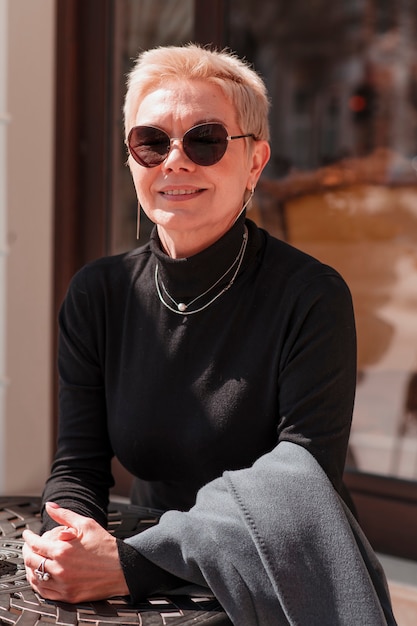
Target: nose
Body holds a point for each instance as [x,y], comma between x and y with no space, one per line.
[176,157]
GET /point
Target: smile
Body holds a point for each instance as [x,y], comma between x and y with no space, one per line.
[180,192]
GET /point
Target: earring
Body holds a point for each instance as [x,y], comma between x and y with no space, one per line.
[138,222]
[252,191]
[251,194]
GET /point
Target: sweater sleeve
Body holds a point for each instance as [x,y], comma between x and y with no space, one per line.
[143,577]
[317,370]
[81,471]
[276,545]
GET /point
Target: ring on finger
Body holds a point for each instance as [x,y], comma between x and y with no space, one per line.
[41,573]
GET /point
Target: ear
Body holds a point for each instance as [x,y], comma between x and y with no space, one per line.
[261,153]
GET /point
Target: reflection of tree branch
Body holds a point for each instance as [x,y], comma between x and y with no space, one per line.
[382,167]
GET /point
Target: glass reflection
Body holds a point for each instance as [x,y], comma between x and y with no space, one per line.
[342,184]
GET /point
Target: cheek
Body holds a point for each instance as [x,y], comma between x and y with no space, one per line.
[141,179]
[232,182]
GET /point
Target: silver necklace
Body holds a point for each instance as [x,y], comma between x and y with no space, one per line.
[180,307]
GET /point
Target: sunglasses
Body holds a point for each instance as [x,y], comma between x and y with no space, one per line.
[204,144]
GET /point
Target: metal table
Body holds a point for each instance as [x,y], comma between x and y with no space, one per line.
[20,605]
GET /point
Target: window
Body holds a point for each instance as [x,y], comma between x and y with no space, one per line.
[344,122]
[341,184]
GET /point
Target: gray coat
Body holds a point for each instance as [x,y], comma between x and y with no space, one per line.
[276,545]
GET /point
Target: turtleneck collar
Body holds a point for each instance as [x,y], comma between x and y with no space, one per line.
[188,277]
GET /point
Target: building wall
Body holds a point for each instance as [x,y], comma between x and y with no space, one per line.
[25,445]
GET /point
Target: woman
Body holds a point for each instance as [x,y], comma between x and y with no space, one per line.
[215,359]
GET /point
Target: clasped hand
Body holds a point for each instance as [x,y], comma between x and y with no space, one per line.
[80,559]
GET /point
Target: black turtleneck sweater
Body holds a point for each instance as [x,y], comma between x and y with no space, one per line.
[181,398]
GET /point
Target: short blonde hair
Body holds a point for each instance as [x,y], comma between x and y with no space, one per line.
[238,81]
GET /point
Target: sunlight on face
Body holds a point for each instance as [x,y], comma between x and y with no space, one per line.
[188,202]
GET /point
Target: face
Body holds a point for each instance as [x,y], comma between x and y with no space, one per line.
[194,205]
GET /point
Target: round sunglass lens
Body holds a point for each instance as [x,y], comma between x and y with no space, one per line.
[149,146]
[205,144]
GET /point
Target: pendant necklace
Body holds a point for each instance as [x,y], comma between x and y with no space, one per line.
[180,307]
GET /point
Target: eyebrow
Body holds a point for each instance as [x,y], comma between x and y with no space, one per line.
[210,120]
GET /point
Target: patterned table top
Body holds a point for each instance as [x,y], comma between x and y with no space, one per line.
[20,605]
